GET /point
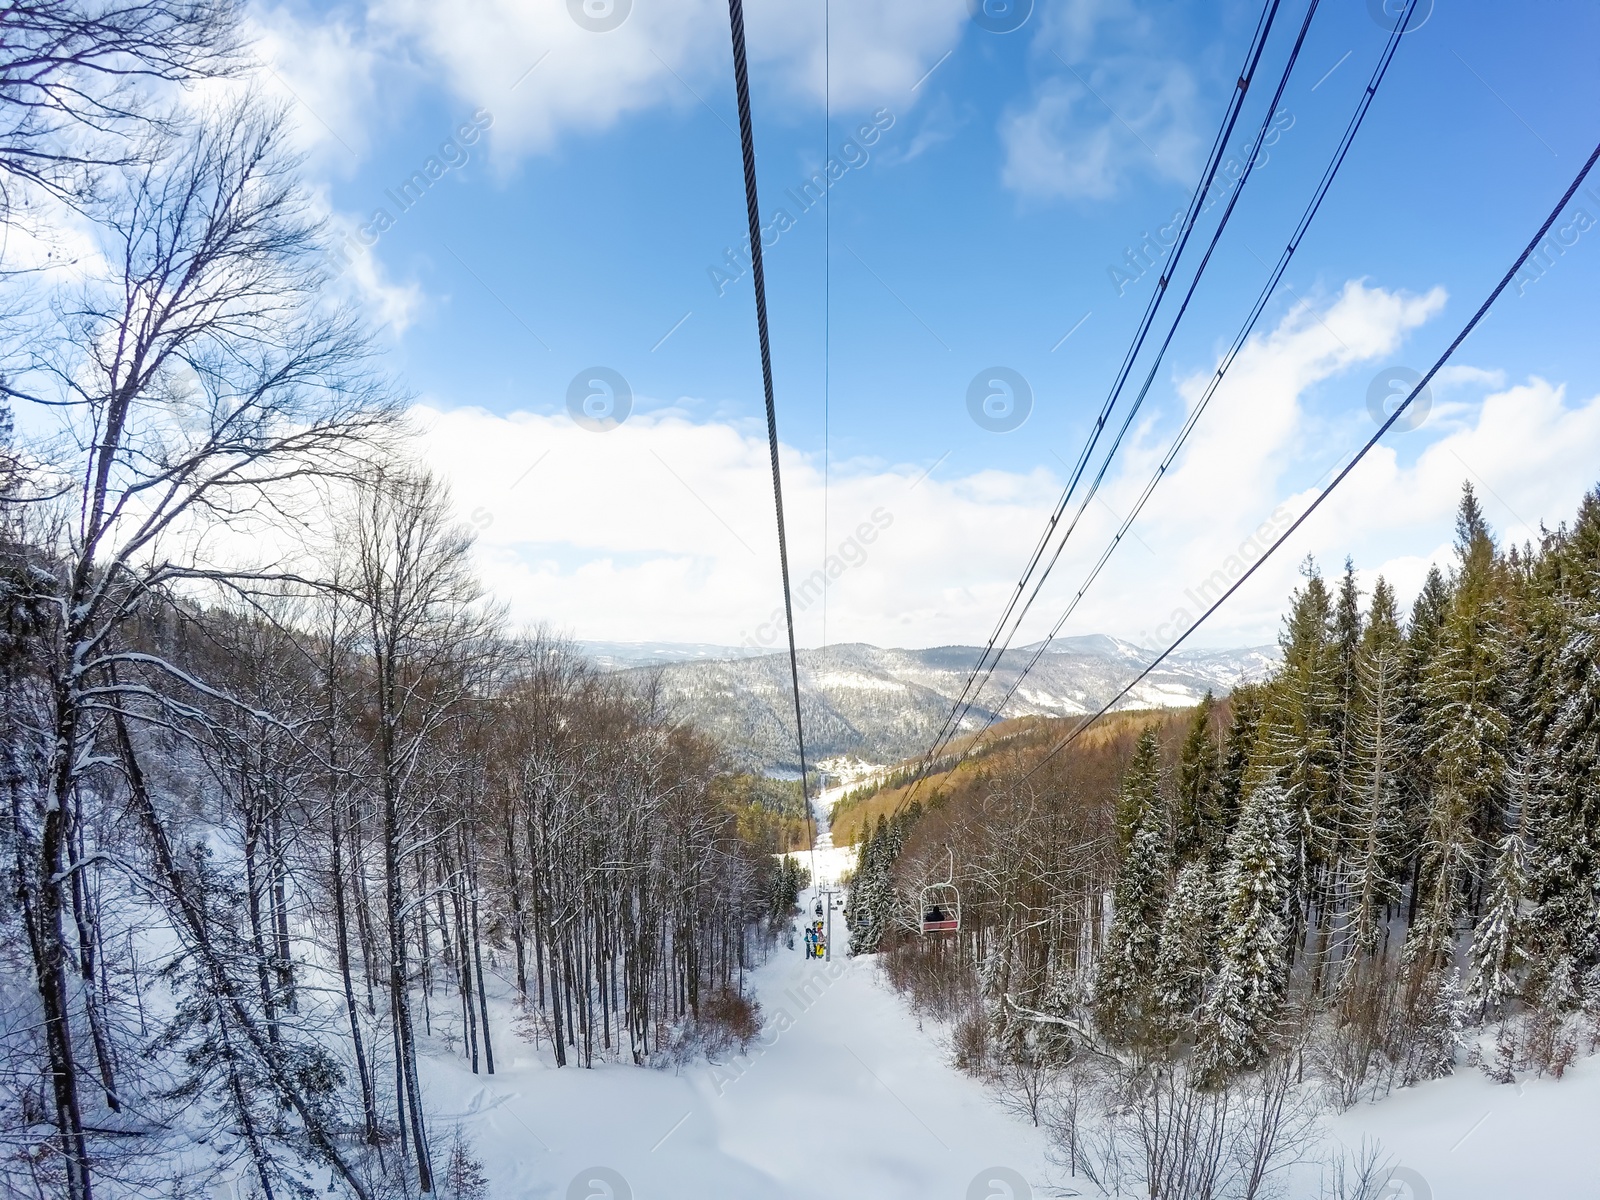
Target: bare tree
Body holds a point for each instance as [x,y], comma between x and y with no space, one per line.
[76,76]
[201,388]
[424,634]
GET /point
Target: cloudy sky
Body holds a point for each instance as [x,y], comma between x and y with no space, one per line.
[575,214]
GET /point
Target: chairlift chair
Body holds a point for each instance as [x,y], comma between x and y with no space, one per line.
[941,903]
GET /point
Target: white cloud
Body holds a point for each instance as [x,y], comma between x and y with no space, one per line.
[544,75]
[1086,138]
[663,527]
[328,72]
[1110,107]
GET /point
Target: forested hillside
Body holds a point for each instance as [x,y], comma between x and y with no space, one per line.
[277,779]
[1340,871]
[886,704]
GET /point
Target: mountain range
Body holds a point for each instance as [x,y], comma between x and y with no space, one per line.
[882,705]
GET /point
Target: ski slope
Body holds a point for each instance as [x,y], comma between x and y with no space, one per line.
[842,1095]
[846,1094]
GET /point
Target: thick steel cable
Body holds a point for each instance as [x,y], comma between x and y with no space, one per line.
[1275,276]
[752,203]
[1449,352]
[1144,390]
[951,725]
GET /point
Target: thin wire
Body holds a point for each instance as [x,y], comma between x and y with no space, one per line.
[1150,375]
[827,284]
[951,725]
[1275,276]
[1422,383]
[752,202]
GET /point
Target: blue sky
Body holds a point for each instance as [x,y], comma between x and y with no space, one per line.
[1011,173]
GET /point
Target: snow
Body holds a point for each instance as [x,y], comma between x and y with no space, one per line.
[847,1093]
[1470,1139]
[842,1094]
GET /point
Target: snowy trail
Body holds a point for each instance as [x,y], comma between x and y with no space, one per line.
[845,1095]
[842,1095]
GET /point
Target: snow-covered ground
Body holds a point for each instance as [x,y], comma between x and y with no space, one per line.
[846,1094]
[1466,1138]
[842,1095]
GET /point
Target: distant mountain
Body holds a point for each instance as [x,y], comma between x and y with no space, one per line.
[619,656]
[885,705]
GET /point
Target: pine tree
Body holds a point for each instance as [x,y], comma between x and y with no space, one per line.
[1465,722]
[1566,805]
[1198,818]
[1187,944]
[1239,1015]
[1375,752]
[1246,703]
[1497,948]
[1123,995]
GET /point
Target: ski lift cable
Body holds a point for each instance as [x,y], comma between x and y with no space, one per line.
[1273,279]
[1214,160]
[827,288]
[987,664]
[1236,99]
[1449,352]
[1144,389]
[747,147]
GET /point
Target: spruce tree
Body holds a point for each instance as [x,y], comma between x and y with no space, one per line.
[1423,633]
[1566,805]
[1124,1001]
[1198,817]
[1298,751]
[1246,702]
[1141,785]
[1345,635]
[1184,954]
[1241,1011]
[1375,752]
[867,906]
[1465,721]
[1497,947]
